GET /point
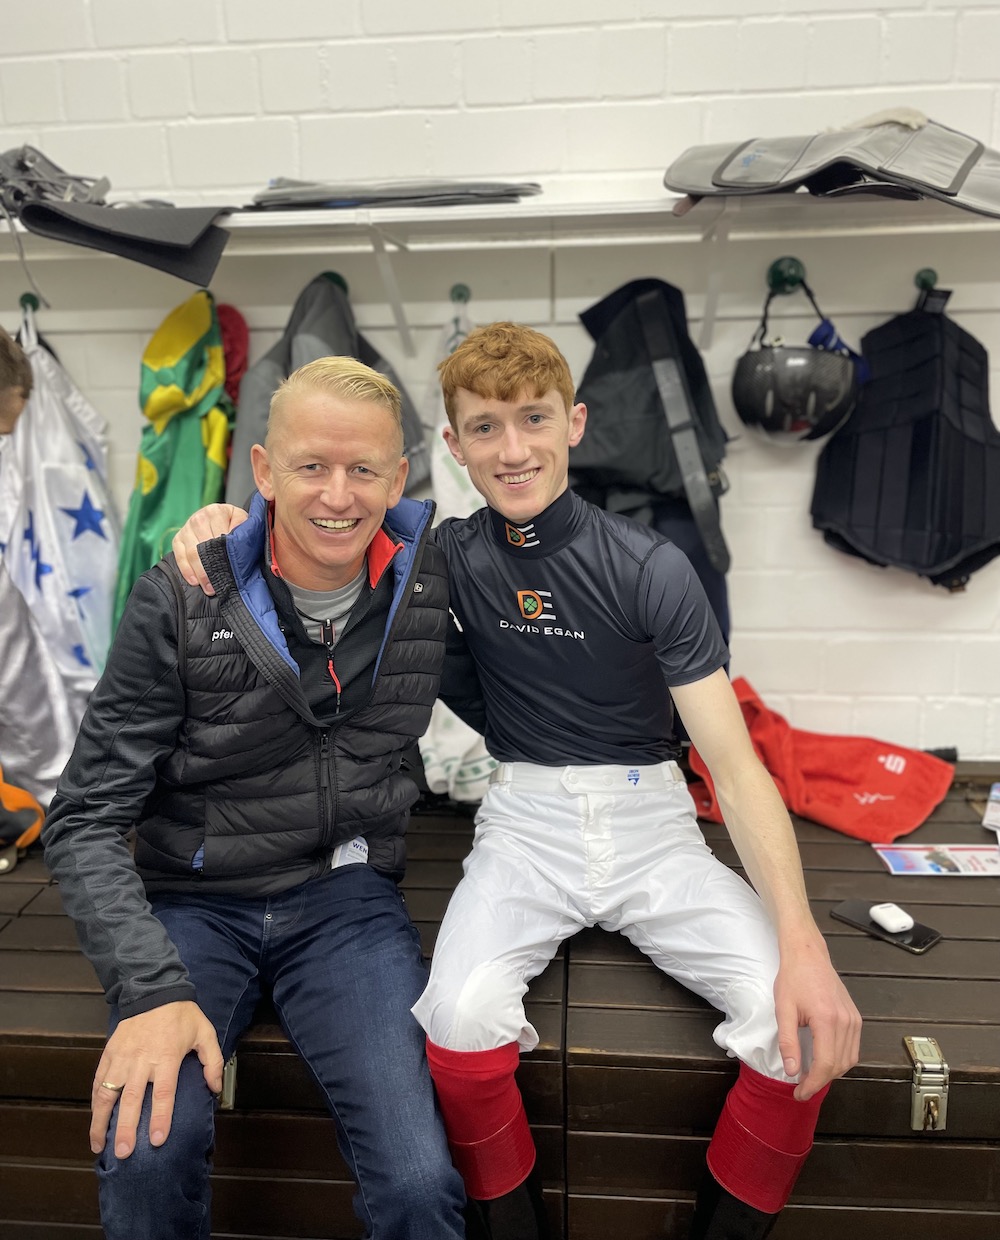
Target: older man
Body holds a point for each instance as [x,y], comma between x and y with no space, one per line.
[254,741]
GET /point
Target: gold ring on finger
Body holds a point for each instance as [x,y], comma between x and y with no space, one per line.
[115,1089]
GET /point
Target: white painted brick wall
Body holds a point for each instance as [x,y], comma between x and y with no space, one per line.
[361,77]
[224,83]
[123,23]
[497,69]
[292,79]
[93,89]
[159,85]
[919,47]
[204,100]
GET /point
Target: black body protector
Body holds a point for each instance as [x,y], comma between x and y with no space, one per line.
[912,479]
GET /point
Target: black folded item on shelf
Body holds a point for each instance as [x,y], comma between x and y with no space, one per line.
[183,241]
[283,193]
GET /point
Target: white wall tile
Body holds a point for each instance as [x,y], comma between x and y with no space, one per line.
[428,72]
[260,22]
[224,82]
[94,89]
[526,14]
[496,69]
[773,55]
[379,147]
[959,722]
[292,79]
[704,59]
[32,92]
[57,26]
[637,134]
[633,62]
[888,719]
[123,23]
[566,64]
[361,77]
[232,152]
[919,48]
[978,46]
[864,666]
[159,85]
[844,51]
[402,17]
[132,156]
[514,142]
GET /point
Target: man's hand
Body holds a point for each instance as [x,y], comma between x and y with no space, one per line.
[206,523]
[150,1048]
[808,992]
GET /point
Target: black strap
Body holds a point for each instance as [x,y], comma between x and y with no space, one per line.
[679,411]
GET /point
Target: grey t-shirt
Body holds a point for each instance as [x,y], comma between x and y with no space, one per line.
[314,607]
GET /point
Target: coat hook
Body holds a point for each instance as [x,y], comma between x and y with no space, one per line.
[931,298]
[29,300]
[785,275]
[460,293]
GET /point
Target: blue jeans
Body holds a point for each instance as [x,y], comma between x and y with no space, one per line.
[342,962]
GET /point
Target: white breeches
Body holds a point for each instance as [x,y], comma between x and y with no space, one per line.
[560,848]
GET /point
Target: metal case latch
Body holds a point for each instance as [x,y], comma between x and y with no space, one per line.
[929,1098]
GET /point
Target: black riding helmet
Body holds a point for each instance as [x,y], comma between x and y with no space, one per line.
[796,392]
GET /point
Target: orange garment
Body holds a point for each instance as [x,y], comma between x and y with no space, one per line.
[870,789]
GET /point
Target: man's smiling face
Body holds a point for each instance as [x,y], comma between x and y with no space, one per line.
[332,467]
[517,451]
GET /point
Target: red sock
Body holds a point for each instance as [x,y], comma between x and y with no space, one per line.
[762,1139]
[484,1117]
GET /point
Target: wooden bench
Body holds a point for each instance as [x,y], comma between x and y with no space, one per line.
[622,1092]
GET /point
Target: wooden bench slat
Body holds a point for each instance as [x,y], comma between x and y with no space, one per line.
[885,998]
[683,1039]
[887,1174]
[684,1101]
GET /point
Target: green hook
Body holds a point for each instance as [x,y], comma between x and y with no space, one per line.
[926,278]
[29,299]
[785,275]
[460,293]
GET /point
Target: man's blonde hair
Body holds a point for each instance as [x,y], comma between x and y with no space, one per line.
[345,377]
[502,360]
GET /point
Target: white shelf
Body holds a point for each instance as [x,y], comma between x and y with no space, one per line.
[559,220]
[545,221]
[536,222]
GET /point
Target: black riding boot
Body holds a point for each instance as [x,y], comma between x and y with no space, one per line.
[517,1215]
[719,1215]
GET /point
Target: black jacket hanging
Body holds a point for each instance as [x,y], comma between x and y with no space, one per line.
[912,479]
[652,429]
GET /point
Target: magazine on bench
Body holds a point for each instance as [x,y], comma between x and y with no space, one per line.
[959,860]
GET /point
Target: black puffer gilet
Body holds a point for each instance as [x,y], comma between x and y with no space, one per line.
[258,793]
